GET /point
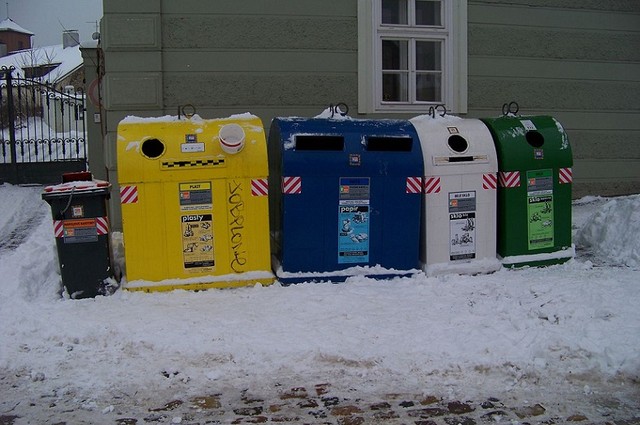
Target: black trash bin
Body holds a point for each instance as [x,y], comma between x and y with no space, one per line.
[81,228]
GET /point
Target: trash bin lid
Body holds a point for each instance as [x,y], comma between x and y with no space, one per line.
[530,142]
[454,145]
[77,187]
[320,146]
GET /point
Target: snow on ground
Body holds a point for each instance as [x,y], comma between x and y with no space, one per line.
[561,334]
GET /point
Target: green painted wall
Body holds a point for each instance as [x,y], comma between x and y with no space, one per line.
[270,58]
[578,60]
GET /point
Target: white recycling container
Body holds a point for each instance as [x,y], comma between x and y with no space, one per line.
[458,233]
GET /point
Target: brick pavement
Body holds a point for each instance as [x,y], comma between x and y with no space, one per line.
[322,405]
[318,405]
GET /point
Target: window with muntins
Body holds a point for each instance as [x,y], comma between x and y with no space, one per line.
[412,55]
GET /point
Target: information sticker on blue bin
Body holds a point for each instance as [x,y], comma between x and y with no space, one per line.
[353,220]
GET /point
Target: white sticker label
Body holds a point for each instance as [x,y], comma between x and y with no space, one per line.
[528,125]
[462,225]
[192,147]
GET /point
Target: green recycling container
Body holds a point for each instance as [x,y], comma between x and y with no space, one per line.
[534,190]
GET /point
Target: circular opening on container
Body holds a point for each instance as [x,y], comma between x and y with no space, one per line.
[535,139]
[152,148]
[458,143]
[231,138]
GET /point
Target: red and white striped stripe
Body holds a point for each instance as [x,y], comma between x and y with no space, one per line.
[259,187]
[102,225]
[432,185]
[292,185]
[509,178]
[565,175]
[58,228]
[129,194]
[414,185]
[489,181]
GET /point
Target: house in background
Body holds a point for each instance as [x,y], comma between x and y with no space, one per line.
[13,37]
[577,61]
[59,71]
[43,130]
[57,66]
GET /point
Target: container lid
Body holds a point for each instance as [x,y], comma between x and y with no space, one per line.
[78,186]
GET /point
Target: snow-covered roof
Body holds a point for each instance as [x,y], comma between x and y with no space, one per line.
[9,25]
[67,59]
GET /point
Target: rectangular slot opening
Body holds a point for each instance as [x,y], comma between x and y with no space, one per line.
[319,143]
[449,160]
[460,159]
[389,144]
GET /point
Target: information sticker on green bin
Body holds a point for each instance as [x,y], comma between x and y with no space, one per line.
[540,209]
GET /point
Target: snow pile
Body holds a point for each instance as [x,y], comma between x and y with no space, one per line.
[613,232]
[134,119]
[28,267]
[565,138]
[78,185]
[195,118]
[438,121]
[13,201]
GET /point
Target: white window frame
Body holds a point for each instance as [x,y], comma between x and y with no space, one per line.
[453,34]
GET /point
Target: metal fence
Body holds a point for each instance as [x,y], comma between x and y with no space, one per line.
[42,130]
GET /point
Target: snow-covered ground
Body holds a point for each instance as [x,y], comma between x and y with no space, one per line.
[566,336]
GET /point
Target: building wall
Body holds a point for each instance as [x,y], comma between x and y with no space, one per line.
[575,59]
[270,58]
[93,117]
[15,40]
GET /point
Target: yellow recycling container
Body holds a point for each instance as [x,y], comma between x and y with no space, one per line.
[193,193]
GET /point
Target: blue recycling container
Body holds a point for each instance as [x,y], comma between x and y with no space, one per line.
[344,193]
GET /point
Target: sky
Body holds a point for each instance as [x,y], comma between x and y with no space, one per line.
[47,19]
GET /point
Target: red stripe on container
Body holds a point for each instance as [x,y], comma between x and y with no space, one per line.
[489,181]
[565,175]
[509,179]
[292,185]
[129,194]
[58,228]
[102,225]
[431,185]
[414,185]
[259,187]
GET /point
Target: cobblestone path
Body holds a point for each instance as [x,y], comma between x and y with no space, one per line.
[319,405]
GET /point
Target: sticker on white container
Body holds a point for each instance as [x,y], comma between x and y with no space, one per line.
[462,225]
